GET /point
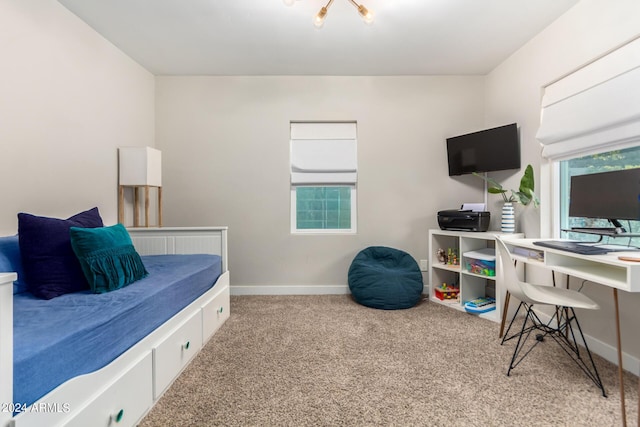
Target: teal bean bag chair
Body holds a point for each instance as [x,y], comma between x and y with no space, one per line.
[385,278]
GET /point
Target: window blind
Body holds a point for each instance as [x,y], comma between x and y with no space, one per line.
[323,153]
[594,109]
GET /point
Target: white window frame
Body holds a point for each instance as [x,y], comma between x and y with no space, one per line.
[320,169]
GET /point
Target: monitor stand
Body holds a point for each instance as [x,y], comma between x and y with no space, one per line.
[614,232]
[604,231]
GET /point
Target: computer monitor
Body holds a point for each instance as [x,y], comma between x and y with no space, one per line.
[608,195]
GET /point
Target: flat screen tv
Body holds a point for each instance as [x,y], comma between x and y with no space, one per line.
[607,195]
[488,150]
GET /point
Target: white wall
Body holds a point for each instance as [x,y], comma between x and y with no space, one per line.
[514,89]
[68,99]
[225,144]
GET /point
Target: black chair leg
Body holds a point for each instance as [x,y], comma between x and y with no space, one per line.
[523,336]
[566,338]
[506,336]
[564,333]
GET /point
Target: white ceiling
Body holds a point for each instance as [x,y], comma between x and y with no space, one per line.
[266,37]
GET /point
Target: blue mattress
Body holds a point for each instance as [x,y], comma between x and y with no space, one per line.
[78,333]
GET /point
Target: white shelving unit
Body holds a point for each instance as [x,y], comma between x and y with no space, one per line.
[471,285]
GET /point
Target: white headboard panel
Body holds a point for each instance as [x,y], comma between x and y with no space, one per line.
[181,240]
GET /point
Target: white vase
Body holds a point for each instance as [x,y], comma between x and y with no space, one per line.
[508,218]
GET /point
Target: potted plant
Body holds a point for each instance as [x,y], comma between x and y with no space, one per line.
[524,196]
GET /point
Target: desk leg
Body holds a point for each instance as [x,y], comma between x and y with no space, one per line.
[505,310]
[620,369]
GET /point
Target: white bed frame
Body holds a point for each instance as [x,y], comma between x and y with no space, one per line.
[121,393]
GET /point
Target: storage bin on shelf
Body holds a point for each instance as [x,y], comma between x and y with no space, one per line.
[447,292]
[480,305]
[481,261]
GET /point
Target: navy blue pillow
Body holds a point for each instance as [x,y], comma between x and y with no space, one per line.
[51,267]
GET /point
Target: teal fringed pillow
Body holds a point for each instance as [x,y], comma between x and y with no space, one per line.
[107,257]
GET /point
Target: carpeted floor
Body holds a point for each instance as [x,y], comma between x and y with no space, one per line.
[327,361]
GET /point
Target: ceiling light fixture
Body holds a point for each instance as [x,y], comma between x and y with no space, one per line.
[318,20]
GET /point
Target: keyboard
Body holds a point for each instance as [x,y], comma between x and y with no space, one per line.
[569,246]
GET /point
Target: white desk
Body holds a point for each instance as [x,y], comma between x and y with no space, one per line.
[605,270]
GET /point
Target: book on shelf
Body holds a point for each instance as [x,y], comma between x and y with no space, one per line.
[529,253]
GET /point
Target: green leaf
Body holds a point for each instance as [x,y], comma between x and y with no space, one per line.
[527,184]
[522,197]
[525,193]
[494,190]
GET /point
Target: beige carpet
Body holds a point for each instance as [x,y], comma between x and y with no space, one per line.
[327,361]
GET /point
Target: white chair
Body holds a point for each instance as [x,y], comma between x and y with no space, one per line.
[562,325]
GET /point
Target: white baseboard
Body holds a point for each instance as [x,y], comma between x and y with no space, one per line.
[606,351]
[609,352]
[289,289]
[295,290]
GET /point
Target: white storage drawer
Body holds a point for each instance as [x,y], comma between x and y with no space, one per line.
[172,354]
[124,402]
[214,313]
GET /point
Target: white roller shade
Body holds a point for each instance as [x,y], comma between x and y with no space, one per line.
[594,109]
[323,130]
[323,153]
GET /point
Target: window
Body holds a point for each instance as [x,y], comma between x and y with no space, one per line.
[323,177]
[323,208]
[613,160]
[590,122]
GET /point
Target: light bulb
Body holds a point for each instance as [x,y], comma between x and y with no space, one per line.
[289,2]
[318,21]
[367,15]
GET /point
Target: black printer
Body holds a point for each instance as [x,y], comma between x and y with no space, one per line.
[465,220]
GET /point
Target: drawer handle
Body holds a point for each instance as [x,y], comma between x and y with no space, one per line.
[119,415]
[186,345]
[220,310]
